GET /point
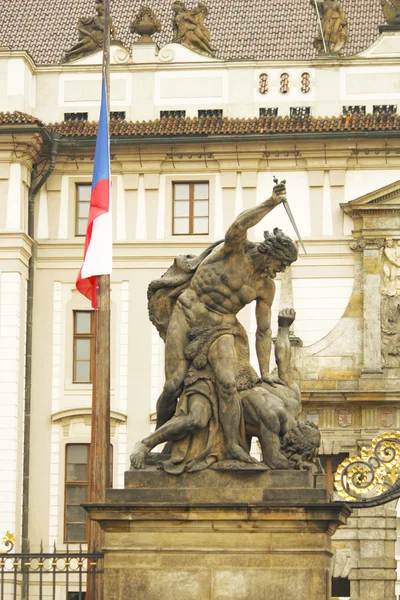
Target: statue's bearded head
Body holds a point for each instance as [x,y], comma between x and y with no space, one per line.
[279,251]
[178,7]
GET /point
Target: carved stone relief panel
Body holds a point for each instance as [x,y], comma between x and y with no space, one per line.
[390,306]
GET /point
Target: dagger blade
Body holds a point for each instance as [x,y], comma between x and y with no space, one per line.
[293,222]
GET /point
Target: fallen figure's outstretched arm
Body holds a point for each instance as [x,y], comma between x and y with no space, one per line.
[283,351]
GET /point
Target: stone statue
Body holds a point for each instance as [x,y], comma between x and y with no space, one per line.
[334,27]
[270,412]
[189,28]
[146,24]
[91,35]
[390,306]
[390,269]
[391,10]
[222,401]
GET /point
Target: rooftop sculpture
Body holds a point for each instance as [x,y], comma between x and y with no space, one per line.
[91,35]
[213,401]
[146,24]
[333,23]
[190,30]
[391,10]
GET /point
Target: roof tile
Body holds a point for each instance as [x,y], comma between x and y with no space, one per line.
[252,29]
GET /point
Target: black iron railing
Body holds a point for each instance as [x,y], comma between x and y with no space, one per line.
[54,575]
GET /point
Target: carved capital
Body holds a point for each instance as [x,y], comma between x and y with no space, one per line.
[362,243]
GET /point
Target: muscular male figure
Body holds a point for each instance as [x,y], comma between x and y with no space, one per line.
[236,273]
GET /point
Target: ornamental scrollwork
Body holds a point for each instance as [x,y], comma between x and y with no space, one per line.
[8,543]
[371,473]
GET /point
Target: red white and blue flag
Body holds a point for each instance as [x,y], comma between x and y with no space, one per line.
[97,257]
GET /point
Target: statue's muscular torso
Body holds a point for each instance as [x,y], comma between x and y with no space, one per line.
[223,284]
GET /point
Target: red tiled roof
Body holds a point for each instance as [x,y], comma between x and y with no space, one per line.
[18,118]
[215,126]
[253,29]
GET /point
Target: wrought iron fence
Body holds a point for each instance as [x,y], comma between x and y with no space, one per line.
[56,575]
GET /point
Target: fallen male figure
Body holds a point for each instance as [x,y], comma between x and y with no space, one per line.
[269,412]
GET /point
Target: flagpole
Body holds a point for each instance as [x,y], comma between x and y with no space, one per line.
[99,468]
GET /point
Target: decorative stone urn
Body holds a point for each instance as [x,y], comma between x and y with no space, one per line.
[146,24]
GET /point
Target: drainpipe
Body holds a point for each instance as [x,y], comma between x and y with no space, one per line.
[36,184]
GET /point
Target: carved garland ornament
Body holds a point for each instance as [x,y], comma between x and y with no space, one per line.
[371,473]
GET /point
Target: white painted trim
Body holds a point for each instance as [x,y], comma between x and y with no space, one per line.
[161,208]
[121,212]
[327,221]
[43,218]
[63,216]
[14,197]
[141,225]
[218,209]
[239,195]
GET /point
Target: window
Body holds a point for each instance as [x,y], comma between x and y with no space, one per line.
[83,358]
[76,491]
[340,587]
[118,114]
[330,463]
[268,112]
[172,113]
[305,83]
[210,112]
[76,595]
[82,207]
[284,87]
[300,111]
[263,83]
[384,109]
[190,208]
[79,116]
[350,110]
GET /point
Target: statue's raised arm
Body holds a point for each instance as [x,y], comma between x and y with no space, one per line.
[236,236]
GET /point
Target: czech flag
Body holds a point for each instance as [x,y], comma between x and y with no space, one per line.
[97,257]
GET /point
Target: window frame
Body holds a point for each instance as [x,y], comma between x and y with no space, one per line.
[75,484]
[191,207]
[79,184]
[80,484]
[91,336]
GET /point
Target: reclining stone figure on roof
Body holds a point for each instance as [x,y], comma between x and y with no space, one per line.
[91,35]
[194,307]
[189,28]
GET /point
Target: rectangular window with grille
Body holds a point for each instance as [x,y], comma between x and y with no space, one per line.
[190,208]
[84,340]
[76,491]
[82,204]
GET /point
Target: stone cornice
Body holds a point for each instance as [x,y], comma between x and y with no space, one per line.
[15,246]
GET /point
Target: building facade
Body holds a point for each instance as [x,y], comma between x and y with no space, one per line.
[196,139]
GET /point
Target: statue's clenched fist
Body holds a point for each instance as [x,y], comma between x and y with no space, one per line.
[286,317]
[278,193]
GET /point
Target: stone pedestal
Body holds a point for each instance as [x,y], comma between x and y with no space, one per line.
[233,535]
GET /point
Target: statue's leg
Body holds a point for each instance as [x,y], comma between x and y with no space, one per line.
[176,366]
[222,358]
[196,41]
[176,429]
